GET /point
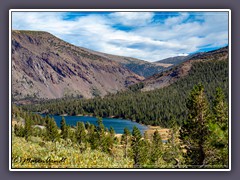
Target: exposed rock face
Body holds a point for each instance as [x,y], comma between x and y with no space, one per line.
[44,66]
[166,78]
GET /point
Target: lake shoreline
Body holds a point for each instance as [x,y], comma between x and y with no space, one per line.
[118,124]
[90,115]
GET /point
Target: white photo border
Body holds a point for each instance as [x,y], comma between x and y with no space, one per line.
[113,10]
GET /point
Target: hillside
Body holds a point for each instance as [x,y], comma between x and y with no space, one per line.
[173,60]
[144,68]
[168,77]
[140,67]
[44,66]
[200,55]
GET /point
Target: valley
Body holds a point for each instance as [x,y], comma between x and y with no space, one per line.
[76,90]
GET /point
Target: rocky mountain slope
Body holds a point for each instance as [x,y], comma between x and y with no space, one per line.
[140,67]
[168,77]
[44,66]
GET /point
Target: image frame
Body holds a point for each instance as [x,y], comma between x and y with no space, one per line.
[113,10]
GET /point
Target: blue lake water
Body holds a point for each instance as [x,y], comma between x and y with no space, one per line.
[117,124]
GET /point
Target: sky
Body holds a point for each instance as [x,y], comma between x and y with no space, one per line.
[149,36]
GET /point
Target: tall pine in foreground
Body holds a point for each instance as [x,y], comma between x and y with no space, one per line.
[217,146]
[194,131]
[140,149]
[156,149]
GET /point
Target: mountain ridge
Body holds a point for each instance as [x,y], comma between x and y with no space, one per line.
[44,66]
[138,66]
[168,77]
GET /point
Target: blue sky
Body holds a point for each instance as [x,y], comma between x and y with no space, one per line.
[150,36]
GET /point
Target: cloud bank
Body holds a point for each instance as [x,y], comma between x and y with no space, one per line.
[150,36]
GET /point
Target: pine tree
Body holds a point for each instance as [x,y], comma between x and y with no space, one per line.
[217,146]
[144,153]
[100,125]
[64,129]
[136,146]
[194,131]
[136,135]
[112,138]
[51,129]
[172,154]
[80,133]
[126,141]
[220,109]
[104,139]
[92,136]
[156,148]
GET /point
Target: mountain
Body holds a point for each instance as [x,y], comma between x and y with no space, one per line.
[174,60]
[44,66]
[168,77]
[180,59]
[140,67]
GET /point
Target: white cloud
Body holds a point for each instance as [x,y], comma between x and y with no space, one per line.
[145,39]
[132,18]
[176,19]
[183,54]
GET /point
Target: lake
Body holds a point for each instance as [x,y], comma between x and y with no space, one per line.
[117,124]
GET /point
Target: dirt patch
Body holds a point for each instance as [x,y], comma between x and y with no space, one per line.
[165,133]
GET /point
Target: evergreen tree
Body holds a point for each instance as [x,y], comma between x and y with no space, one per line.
[156,149]
[220,109]
[92,136]
[136,146]
[64,129]
[172,154]
[51,129]
[80,132]
[144,153]
[217,146]
[112,138]
[104,139]
[136,135]
[100,125]
[194,131]
[126,141]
